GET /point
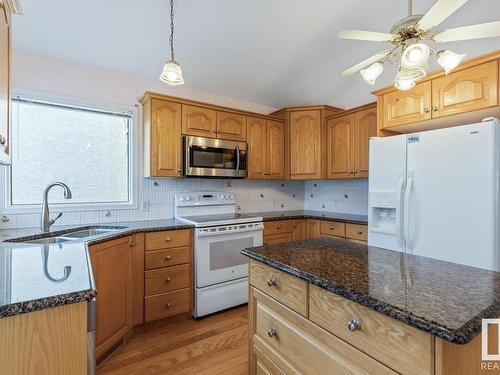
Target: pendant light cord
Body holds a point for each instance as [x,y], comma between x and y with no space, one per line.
[410,8]
[172,53]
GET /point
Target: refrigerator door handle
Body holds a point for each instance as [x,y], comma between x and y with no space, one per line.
[399,213]
[407,213]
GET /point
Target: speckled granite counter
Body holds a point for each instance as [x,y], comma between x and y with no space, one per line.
[308,214]
[34,277]
[441,298]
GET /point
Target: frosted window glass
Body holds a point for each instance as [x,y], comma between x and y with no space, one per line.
[88,150]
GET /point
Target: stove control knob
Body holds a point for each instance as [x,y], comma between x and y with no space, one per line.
[187,198]
[181,199]
[231,197]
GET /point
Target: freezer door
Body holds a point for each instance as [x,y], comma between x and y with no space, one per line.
[451,195]
[387,178]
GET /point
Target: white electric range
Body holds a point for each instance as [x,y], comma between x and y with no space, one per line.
[221,272]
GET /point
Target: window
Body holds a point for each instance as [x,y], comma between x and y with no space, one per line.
[88,149]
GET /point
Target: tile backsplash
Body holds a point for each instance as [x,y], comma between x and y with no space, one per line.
[156,199]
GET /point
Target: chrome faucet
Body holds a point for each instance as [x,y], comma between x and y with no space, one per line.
[46,222]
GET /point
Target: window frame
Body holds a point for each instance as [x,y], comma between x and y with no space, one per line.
[6,206]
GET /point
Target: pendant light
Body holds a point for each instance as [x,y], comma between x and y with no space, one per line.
[172,72]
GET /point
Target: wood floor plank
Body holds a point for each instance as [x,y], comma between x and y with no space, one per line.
[214,345]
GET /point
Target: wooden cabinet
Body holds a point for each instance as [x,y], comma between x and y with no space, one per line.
[313,229]
[348,139]
[406,107]
[299,230]
[162,138]
[231,126]
[5,81]
[112,267]
[199,121]
[466,90]
[266,148]
[305,145]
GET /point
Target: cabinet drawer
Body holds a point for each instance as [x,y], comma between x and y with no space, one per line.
[166,279]
[278,238]
[277,227]
[356,232]
[404,348]
[263,365]
[298,346]
[287,289]
[166,257]
[166,304]
[167,239]
[332,228]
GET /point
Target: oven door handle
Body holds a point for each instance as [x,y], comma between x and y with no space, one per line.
[237,158]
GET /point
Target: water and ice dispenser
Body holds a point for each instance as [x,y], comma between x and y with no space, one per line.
[384,214]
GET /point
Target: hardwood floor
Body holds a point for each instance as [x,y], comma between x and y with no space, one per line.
[209,346]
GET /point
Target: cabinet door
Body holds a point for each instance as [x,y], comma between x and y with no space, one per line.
[257,150]
[275,149]
[465,91]
[112,267]
[298,230]
[313,228]
[5,49]
[406,107]
[339,141]
[198,121]
[277,238]
[365,126]
[166,142]
[231,126]
[305,145]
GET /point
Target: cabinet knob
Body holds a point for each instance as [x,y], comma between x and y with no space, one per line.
[167,305]
[167,257]
[168,239]
[3,140]
[359,232]
[179,170]
[295,225]
[215,131]
[168,279]
[331,228]
[132,244]
[272,333]
[435,109]
[426,110]
[271,281]
[353,325]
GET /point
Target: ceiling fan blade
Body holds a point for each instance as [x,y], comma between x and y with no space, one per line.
[366,35]
[482,30]
[439,12]
[367,62]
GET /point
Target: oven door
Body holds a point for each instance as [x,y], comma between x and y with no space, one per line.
[218,255]
[214,157]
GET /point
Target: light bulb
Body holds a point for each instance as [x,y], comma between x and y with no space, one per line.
[449,60]
[415,55]
[404,84]
[172,74]
[406,78]
[371,73]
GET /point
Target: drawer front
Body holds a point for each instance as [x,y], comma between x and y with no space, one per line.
[277,227]
[168,257]
[166,304]
[264,366]
[286,336]
[166,279]
[332,228]
[167,239]
[356,232]
[287,289]
[405,349]
[278,238]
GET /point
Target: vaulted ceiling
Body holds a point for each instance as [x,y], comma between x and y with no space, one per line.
[272,52]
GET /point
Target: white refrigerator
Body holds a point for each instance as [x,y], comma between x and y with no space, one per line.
[436,194]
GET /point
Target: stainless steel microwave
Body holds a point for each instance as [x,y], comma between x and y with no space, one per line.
[208,157]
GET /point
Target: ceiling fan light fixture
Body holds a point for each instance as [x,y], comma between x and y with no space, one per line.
[403,84]
[449,60]
[415,55]
[371,73]
[406,78]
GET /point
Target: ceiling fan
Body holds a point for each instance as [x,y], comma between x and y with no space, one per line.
[409,52]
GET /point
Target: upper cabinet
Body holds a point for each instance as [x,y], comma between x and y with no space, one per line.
[472,87]
[305,145]
[198,121]
[5,81]
[348,138]
[266,148]
[231,126]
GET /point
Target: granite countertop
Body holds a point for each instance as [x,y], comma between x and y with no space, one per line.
[445,299]
[309,214]
[35,276]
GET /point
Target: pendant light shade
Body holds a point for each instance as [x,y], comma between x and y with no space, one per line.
[449,60]
[172,72]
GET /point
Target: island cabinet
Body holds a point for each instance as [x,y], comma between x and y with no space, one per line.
[5,80]
[471,90]
[298,328]
[266,148]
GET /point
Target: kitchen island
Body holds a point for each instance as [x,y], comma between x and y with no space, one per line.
[332,306]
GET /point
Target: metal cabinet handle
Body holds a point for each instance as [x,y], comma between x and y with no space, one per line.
[168,239]
[426,110]
[435,109]
[132,244]
[331,228]
[295,225]
[215,131]
[271,281]
[167,257]
[168,279]
[179,170]
[167,305]
[3,140]
[272,333]
[353,325]
[360,232]
[278,227]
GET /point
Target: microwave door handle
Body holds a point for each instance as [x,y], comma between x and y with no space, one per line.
[237,158]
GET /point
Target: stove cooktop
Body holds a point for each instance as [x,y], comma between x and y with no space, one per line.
[220,219]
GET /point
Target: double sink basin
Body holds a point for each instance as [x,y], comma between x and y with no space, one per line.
[71,235]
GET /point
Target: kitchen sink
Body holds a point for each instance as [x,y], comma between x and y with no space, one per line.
[48,240]
[90,232]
